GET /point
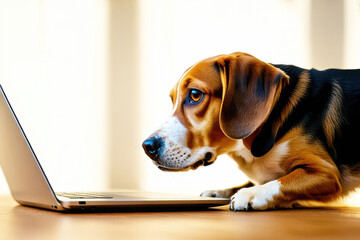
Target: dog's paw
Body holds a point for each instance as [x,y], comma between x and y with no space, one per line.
[256,198]
[224,193]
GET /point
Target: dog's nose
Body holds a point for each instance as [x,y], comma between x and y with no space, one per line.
[151,147]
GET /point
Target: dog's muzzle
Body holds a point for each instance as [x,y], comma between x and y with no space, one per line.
[155,147]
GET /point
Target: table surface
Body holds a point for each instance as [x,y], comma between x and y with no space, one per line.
[19,222]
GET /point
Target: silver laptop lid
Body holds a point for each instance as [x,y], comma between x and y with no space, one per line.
[24,175]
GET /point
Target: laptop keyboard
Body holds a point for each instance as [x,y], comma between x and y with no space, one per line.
[85,195]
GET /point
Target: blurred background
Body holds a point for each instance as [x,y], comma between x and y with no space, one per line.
[89,79]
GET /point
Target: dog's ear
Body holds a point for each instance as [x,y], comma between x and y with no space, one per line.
[249,87]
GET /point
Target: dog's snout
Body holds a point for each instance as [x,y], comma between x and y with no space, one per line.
[152,146]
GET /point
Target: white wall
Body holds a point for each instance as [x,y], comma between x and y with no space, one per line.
[352,34]
[53,67]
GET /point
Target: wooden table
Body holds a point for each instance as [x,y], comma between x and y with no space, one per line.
[18,222]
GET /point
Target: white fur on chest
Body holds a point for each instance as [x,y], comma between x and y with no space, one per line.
[261,169]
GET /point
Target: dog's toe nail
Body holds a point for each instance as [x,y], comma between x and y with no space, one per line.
[249,208]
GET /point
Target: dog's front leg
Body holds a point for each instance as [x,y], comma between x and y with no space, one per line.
[304,183]
[225,193]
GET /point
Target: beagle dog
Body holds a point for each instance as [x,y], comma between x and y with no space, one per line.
[292,131]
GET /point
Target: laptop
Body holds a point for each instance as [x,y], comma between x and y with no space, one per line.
[29,185]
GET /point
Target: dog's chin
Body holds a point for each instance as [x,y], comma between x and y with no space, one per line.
[206,161]
[168,169]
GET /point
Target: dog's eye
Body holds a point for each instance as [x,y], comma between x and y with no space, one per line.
[195,96]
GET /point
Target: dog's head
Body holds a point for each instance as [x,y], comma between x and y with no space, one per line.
[217,102]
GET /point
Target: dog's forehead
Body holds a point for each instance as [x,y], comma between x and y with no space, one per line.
[205,72]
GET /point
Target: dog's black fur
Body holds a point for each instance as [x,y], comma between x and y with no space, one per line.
[311,109]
